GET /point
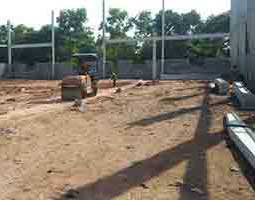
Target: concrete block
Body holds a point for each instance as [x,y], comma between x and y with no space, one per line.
[222,86]
[242,136]
[244,96]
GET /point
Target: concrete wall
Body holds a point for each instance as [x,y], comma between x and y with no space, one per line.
[242,38]
[40,71]
[3,69]
[126,68]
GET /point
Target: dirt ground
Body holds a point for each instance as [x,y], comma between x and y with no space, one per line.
[20,94]
[152,142]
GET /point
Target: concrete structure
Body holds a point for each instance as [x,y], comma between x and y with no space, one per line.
[245,97]
[10,46]
[212,67]
[174,68]
[39,71]
[3,68]
[222,86]
[242,136]
[242,38]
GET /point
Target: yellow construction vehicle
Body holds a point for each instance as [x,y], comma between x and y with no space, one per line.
[85,84]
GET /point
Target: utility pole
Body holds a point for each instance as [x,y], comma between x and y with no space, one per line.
[154,55]
[9,35]
[53,43]
[104,42]
[163,38]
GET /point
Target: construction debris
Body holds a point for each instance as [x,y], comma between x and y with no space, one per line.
[79,105]
[234,169]
[118,90]
[8,131]
[222,86]
[242,136]
[141,83]
[197,190]
[245,97]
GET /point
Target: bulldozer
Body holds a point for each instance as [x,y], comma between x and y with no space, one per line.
[85,84]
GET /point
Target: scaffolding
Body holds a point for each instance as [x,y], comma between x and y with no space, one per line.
[154,40]
[10,46]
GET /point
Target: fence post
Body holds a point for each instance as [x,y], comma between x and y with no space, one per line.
[154,65]
[53,43]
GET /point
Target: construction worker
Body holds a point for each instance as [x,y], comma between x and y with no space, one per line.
[114,79]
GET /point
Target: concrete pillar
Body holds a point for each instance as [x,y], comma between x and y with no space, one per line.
[154,65]
[9,36]
[53,43]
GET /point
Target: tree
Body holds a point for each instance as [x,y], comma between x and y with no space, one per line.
[216,24]
[143,25]
[3,34]
[20,32]
[176,24]
[72,21]
[173,22]
[191,20]
[212,48]
[118,23]
[75,35]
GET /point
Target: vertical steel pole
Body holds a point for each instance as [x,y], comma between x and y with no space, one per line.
[9,35]
[154,66]
[104,42]
[163,38]
[53,43]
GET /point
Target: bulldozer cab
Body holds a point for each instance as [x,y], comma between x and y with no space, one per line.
[88,63]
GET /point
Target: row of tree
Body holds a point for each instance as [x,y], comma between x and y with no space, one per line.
[74,35]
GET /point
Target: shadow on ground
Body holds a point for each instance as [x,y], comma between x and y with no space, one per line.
[170,99]
[171,115]
[136,175]
[246,169]
[191,88]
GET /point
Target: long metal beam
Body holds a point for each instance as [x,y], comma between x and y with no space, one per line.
[53,44]
[3,46]
[163,38]
[104,40]
[196,37]
[176,37]
[38,45]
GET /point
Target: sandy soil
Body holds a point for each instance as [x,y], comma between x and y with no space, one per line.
[20,94]
[152,142]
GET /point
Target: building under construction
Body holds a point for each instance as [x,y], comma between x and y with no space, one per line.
[242,38]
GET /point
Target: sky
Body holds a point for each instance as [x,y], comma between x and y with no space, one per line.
[35,13]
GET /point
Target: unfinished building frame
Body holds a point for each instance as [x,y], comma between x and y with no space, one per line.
[242,38]
[51,44]
[154,40]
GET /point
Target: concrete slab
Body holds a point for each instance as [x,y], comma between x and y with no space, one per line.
[222,86]
[189,76]
[242,136]
[244,96]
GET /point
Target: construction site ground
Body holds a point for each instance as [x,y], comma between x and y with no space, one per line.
[156,142]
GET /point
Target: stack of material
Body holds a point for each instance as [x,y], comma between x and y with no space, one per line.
[222,86]
[242,136]
[244,96]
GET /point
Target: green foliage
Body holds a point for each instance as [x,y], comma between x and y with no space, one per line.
[118,23]
[72,21]
[143,24]
[73,36]
[216,24]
